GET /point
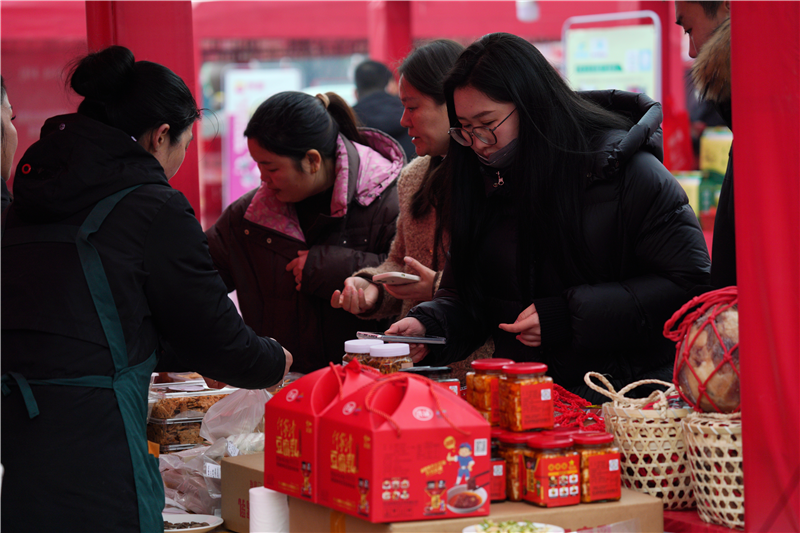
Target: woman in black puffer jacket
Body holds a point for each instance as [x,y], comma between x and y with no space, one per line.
[573,244]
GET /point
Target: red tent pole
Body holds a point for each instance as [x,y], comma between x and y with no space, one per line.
[159,32]
[389,31]
[765,52]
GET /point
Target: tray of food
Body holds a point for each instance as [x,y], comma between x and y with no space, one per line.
[173,431]
[183,400]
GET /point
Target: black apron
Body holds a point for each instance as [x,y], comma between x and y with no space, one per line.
[129,383]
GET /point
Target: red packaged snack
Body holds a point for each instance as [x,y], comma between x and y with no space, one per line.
[402,449]
[291,418]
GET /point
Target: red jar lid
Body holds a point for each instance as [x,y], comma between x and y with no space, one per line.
[490,364]
[525,368]
[498,432]
[510,437]
[563,431]
[543,442]
[593,438]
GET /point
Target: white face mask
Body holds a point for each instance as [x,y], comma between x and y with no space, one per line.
[501,158]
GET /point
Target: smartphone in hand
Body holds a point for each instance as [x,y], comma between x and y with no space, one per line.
[399,338]
[395,278]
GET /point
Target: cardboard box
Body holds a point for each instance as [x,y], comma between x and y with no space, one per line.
[239,475]
[291,418]
[307,517]
[403,448]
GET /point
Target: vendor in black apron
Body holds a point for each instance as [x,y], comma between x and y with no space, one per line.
[106,277]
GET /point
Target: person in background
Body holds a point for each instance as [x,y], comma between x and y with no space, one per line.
[102,260]
[8,140]
[326,207]
[709,30]
[571,243]
[423,237]
[378,105]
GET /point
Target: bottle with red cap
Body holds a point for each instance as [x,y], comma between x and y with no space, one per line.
[600,474]
[483,387]
[526,397]
[552,471]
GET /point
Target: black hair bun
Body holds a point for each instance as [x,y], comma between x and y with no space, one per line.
[104,75]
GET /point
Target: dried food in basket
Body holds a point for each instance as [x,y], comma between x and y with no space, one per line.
[707,361]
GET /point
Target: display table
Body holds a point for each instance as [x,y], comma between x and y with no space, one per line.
[306,517]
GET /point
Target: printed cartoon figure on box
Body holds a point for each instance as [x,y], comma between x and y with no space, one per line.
[464,460]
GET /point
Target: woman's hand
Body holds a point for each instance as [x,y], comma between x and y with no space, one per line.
[296,266]
[527,326]
[358,296]
[411,327]
[419,291]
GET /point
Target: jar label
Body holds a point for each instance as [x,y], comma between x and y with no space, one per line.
[553,481]
[603,481]
[537,405]
[498,485]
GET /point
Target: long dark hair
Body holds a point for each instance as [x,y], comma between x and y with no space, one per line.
[292,123]
[425,69]
[134,96]
[557,133]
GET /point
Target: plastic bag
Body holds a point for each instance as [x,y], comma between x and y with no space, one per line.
[192,478]
[241,412]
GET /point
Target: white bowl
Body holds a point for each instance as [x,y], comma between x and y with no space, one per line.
[176,518]
[458,489]
[545,528]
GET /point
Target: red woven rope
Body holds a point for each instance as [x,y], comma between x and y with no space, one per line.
[572,409]
[717,302]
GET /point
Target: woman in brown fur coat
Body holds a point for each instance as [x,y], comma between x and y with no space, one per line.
[422,238]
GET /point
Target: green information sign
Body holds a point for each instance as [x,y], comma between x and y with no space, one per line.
[622,57]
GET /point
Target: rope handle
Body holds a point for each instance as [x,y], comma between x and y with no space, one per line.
[657,396]
[727,295]
[406,377]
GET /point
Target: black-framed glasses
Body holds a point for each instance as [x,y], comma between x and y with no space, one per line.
[485,135]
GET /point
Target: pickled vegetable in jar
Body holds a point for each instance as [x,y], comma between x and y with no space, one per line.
[552,472]
[358,349]
[442,375]
[600,474]
[526,397]
[483,387]
[389,358]
[514,449]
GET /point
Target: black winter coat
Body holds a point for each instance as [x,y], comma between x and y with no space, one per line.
[73,460]
[252,260]
[646,251]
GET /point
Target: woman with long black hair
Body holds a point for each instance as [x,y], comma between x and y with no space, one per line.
[571,243]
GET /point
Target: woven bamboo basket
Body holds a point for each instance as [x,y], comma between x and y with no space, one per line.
[653,456]
[714,443]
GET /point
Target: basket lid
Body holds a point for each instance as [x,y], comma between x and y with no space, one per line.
[525,368]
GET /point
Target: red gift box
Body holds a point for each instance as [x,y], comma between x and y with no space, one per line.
[404,449]
[291,418]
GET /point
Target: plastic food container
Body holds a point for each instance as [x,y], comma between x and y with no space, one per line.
[440,374]
[183,400]
[552,475]
[483,386]
[389,358]
[526,397]
[358,349]
[514,449]
[175,431]
[600,474]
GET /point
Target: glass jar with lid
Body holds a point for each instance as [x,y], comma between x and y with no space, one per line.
[389,358]
[526,397]
[514,449]
[600,474]
[483,387]
[552,471]
[443,375]
[358,349]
